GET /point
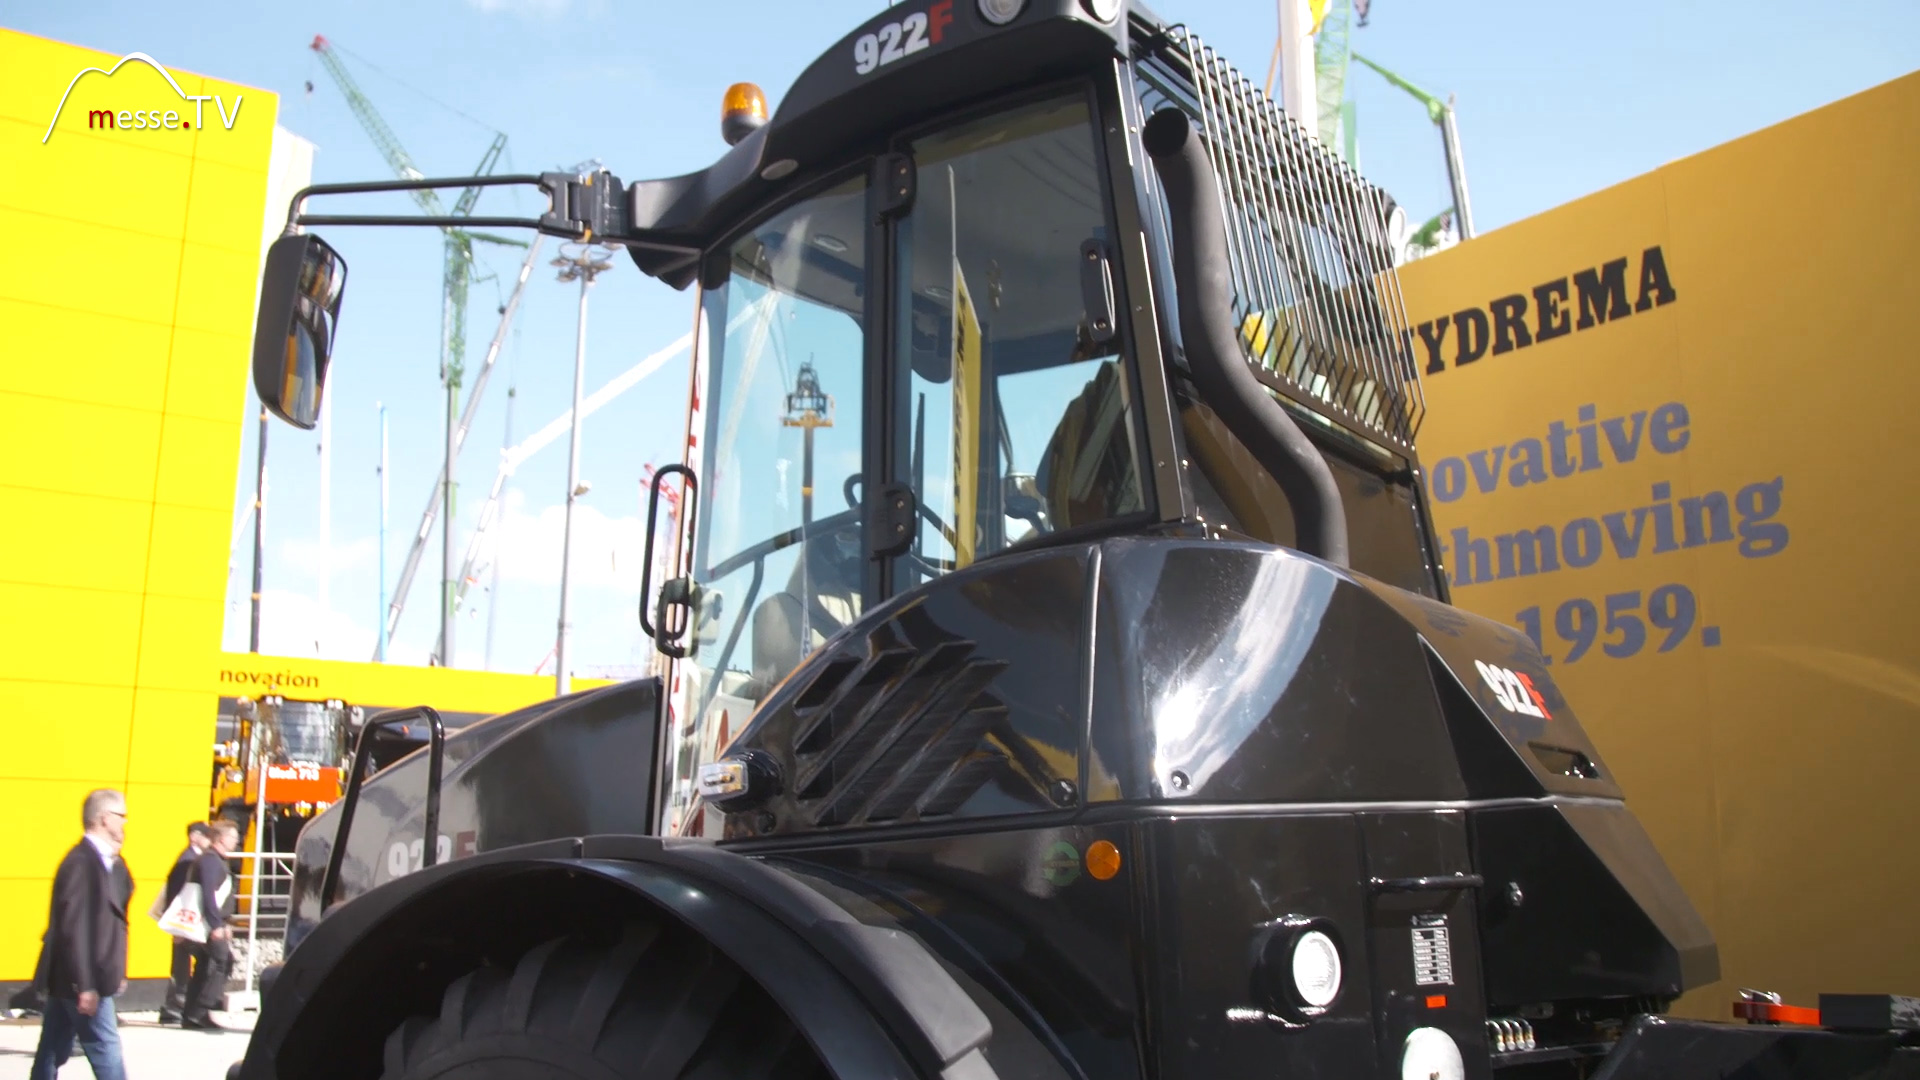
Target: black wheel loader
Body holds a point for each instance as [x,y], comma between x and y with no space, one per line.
[1061,680]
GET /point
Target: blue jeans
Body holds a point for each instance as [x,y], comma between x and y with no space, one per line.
[99,1040]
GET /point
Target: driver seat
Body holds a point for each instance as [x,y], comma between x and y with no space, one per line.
[777,630]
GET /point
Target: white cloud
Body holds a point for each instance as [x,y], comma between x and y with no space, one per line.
[606,551]
[295,625]
[304,555]
[544,9]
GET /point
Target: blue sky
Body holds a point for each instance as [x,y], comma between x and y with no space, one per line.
[1555,101]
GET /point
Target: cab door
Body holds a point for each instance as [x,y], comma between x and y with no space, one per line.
[1012,408]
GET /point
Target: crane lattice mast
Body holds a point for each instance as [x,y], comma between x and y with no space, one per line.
[457,277]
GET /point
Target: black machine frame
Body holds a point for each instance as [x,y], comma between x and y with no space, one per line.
[1069,811]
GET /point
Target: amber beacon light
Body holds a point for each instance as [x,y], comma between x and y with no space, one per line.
[742,111]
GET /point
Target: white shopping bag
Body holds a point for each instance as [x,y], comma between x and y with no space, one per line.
[183,918]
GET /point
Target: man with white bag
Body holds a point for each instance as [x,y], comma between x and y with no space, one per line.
[212,959]
[199,836]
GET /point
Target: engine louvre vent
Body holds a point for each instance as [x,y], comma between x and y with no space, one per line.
[890,737]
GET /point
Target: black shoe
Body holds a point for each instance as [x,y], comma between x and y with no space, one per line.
[206,1025]
[169,1018]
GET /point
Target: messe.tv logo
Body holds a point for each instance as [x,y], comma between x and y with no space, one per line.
[147,119]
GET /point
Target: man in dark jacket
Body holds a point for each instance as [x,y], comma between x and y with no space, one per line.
[207,990]
[198,837]
[86,944]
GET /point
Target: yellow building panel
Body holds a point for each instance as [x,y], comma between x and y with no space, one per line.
[29,65]
[53,634]
[217,286]
[79,448]
[129,357]
[223,196]
[43,818]
[133,279]
[248,143]
[24,900]
[207,375]
[179,642]
[306,679]
[63,731]
[81,541]
[197,462]
[173,735]
[187,556]
[134,106]
[85,182]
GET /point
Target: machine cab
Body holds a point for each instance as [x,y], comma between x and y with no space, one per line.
[960,337]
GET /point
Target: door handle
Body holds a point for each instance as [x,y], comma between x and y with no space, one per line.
[1096,292]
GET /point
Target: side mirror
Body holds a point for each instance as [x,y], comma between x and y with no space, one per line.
[293,339]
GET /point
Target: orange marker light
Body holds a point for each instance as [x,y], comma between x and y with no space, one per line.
[1436,1001]
[1103,860]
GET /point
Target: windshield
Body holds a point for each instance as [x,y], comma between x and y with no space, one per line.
[1010,417]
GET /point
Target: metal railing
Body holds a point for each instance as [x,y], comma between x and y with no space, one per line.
[260,925]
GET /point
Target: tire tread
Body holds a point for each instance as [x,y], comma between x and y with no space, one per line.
[659,1002]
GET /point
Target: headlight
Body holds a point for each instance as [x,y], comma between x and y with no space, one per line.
[1431,1054]
[1298,967]
[1001,12]
[1104,10]
[1316,969]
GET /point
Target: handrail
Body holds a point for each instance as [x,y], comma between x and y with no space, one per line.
[362,749]
[668,644]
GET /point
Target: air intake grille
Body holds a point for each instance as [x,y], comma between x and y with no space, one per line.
[1317,300]
[899,736]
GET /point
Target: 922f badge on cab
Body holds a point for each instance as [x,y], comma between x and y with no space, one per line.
[1514,691]
[912,33]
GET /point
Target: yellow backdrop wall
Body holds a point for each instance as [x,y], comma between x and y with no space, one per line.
[1666,436]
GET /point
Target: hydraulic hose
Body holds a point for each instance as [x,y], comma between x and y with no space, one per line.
[1202,276]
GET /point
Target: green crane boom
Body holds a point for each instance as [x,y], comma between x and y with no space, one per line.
[457,277]
[1440,111]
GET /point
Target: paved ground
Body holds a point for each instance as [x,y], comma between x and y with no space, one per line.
[152,1052]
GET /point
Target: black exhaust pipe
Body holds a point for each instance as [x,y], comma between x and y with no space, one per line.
[1202,275]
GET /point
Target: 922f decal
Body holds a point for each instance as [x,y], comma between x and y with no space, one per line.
[895,40]
[1513,690]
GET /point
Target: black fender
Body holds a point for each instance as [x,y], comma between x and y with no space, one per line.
[872,1000]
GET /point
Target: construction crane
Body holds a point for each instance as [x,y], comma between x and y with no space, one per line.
[1440,111]
[1332,50]
[457,276]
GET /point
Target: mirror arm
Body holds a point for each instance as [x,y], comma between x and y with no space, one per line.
[299,204]
[590,206]
[441,222]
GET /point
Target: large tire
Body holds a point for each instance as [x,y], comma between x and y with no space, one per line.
[658,1003]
